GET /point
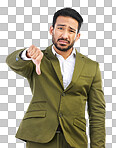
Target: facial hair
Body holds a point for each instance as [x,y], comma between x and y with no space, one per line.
[59,48]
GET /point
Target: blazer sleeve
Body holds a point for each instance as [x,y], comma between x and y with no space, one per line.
[18,65]
[96,112]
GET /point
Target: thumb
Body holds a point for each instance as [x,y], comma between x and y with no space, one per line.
[38,71]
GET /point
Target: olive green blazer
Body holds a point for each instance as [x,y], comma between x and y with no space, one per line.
[51,104]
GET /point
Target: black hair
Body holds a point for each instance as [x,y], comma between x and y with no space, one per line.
[68,12]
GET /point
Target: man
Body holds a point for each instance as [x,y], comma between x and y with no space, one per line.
[62,81]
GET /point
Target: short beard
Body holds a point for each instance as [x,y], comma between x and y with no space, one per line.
[62,49]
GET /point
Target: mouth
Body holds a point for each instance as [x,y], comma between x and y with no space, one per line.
[64,42]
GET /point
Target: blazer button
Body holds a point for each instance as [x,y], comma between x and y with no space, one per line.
[17,58]
[63,94]
[60,114]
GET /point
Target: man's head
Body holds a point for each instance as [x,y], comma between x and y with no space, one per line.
[65,28]
[68,12]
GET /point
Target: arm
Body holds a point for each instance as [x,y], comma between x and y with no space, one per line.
[96,111]
[22,67]
[18,65]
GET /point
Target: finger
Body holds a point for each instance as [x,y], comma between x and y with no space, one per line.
[39,58]
[35,55]
[37,62]
[32,52]
[38,71]
[35,52]
[31,48]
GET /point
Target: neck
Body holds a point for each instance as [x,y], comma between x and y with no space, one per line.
[64,54]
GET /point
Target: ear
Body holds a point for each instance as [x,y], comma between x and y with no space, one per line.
[51,30]
[77,37]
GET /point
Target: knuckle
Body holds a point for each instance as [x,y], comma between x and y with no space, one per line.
[38,58]
[33,46]
[33,57]
[42,54]
[39,51]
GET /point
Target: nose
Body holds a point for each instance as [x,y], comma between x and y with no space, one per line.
[65,34]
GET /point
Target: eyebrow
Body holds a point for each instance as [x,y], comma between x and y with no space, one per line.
[65,25]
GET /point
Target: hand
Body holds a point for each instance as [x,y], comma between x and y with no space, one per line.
[36,55]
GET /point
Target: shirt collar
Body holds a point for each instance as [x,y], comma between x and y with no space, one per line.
[57,55]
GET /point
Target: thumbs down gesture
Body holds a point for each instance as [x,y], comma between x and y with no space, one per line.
[36,55]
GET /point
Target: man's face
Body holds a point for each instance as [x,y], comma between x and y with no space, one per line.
[64,34]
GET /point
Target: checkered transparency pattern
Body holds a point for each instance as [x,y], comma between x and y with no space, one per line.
[27,22]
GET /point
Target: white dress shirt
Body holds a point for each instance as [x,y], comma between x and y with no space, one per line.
[66,65]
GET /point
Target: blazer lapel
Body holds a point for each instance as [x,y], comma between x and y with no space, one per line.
[79,63]
[55,63]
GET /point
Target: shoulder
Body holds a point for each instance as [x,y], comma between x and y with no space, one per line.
[87,59]
[90,65]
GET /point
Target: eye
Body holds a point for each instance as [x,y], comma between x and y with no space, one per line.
[60,28]
[72,31]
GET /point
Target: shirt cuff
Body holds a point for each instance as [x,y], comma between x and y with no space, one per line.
[23,55]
